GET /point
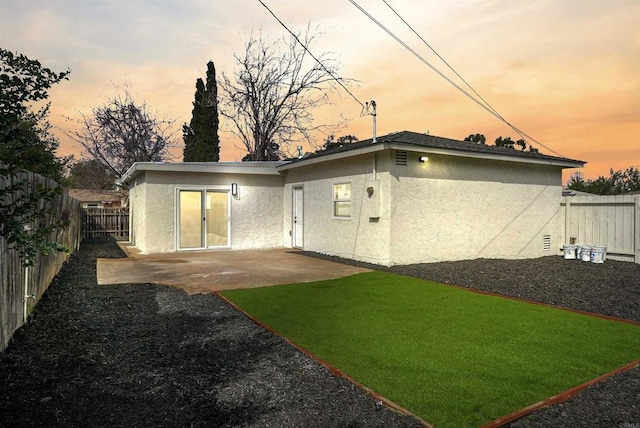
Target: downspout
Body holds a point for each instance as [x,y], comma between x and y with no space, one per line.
[375,165]
[27,296]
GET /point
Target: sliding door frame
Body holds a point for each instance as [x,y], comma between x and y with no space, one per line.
[203,216]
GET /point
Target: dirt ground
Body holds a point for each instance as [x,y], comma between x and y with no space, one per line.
[152,355]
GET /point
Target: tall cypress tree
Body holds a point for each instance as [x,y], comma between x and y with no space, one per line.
[201,142]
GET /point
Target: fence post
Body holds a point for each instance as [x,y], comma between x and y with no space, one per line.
[636,213]
[567,220]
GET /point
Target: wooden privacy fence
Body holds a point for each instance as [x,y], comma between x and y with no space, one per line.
[20,287]
[609,221]
[112,222]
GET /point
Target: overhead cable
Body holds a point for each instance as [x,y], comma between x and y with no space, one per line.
[455,72]
[295,36]
[438,55]
[485,106]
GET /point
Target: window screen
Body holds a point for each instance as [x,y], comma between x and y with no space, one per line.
[342,200]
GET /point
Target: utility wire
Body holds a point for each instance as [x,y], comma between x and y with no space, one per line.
[438,55]
[312,55]
[417,55]
[487,107]
[452,69]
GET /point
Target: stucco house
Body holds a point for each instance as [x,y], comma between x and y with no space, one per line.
[404,198]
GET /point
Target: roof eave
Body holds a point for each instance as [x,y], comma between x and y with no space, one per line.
[334,156]
[130,174]
[266,168]
[568,163]
[423,149]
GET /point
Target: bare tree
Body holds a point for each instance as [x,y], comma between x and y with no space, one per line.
[91,174]
[275,89]
[122,132]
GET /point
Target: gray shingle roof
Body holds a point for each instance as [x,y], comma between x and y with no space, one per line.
[416,139]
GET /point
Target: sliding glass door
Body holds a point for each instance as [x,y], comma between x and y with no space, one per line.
[191,224]
[203,219]
[217,219]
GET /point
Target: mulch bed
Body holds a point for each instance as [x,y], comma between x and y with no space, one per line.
[148,355]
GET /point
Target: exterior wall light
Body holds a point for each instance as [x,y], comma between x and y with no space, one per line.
[423,159]
[234,189]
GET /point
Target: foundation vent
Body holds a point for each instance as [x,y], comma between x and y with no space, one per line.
[401,158]
[546,243]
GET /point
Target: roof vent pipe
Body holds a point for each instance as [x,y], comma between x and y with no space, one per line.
[373,106]
[366,111]
[299,152]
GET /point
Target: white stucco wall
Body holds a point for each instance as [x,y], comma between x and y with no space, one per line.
[137,210]
[449,208]
[454,208]
[360,237]
[256,213]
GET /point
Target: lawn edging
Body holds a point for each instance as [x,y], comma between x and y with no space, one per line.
[558,398]
[336,371]
[534,302]
[273,309]
[569,393]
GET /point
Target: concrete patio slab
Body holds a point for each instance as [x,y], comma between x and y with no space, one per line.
[217,270]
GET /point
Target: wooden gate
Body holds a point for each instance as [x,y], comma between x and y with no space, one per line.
[112,222]
[609,221]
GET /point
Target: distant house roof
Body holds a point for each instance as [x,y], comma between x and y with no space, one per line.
[414,141]
[89,195]
[571,192]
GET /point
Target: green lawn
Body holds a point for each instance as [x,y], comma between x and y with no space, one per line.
[453,357]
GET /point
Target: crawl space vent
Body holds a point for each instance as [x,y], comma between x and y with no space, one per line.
[401,158]
[546,243]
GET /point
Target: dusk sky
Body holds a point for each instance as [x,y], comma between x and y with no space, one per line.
[565,72]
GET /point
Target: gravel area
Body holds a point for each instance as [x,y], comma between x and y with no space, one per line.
[148,355]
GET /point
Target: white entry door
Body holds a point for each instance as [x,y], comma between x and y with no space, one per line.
[298,217]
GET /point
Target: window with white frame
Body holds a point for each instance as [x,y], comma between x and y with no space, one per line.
[342,200]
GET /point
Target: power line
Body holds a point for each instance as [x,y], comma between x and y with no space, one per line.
[295,36]
[485,106]
[438,55]
[417,55]
[452,69]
